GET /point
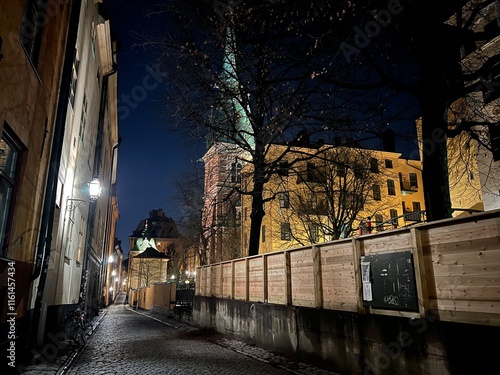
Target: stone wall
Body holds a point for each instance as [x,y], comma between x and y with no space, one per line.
[352,343]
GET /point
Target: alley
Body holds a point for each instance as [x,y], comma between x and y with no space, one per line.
[134,342]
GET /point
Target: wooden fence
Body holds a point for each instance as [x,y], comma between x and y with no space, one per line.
[455,265]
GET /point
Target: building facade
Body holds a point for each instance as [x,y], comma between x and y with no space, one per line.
[153,244]
[340,192]
[31,60]
[59,133]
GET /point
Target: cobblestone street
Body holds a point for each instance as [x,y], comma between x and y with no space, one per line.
[134,342]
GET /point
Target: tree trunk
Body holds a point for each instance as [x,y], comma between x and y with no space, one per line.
[438,73]
[256,218]
[435,160]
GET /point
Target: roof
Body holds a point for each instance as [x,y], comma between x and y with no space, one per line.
[152,253]
[156,226]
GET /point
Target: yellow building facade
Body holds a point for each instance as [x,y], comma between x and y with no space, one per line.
[336,193]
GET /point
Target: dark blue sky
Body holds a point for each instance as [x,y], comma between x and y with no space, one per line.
[150,157]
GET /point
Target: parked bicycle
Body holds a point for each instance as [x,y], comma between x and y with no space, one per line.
[78,327]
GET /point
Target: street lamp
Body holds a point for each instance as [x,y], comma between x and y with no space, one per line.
[95,189]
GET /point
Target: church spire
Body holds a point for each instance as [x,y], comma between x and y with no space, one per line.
[233,107]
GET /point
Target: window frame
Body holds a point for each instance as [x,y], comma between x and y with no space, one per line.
[11,181]
[377,192]
[31,33]
[286,232]
[391,187]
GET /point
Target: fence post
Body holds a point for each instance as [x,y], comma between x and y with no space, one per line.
[318,284]
[418,261]
[247,279]
[356,252]
[232,279]
[288,279]
[264,277]
[221,291]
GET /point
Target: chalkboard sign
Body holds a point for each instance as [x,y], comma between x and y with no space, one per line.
[388,281]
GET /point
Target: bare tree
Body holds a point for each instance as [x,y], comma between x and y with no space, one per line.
[243,76]
[435,53]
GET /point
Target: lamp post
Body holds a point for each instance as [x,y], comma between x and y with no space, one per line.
[95,189]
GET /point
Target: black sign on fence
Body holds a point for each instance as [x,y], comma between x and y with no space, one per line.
[388,281]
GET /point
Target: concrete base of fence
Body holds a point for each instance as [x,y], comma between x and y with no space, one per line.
[352,343]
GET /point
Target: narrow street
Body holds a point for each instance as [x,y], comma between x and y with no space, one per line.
[133,342]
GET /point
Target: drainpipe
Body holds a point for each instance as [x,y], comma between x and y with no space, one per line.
[46,225]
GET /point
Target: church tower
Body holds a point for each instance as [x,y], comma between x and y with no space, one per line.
[230,138]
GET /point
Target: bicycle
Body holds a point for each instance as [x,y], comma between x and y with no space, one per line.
[78,328]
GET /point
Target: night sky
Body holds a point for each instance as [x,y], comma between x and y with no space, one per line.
[150,156]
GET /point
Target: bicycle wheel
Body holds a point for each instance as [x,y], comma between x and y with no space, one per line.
[79,337]
[88,327]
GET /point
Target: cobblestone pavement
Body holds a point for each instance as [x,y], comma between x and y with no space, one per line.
[138,342]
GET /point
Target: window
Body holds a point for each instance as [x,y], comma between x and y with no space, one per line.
[283,168]
[313,231]
[9,166]
[413,180]
[74,80]
[81,232]
[341,170]
[31,29]
[263,233]
[388,163]
[236,172]
[376,193]
[394,215]
[285,232]
[373,165]
[314,174]
[83,119]
[391,190]
[284,198]
[416,207]
[379,219]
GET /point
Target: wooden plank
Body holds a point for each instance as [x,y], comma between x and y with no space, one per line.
[468,317]
[457,281]
[462,270]
[247,277]
[470,230]
[457,247]
[288,282]
[490,307]
[356,256]
[342,306]
[265,281]
[469,293]
[418,262]
[473,257]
